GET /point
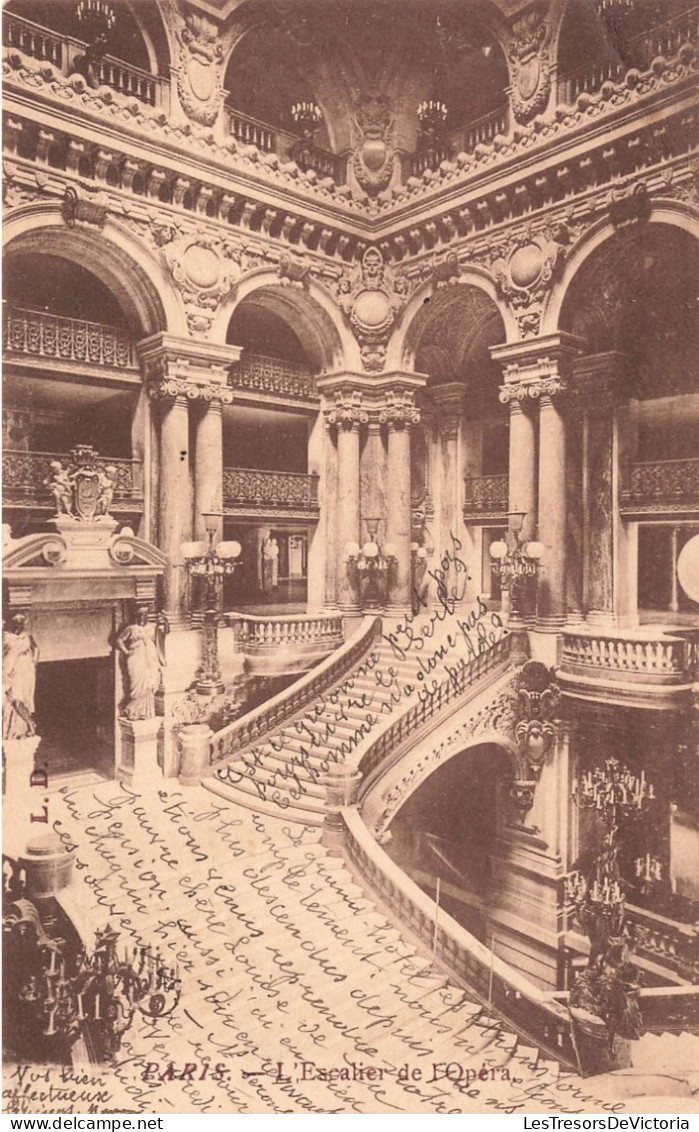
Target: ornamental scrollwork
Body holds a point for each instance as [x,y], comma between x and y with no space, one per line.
[83,488]
[169,388]
[538,699]
[201,268]
[530,65]
[371,299]
[199,71]
[400,410]
[348,411]
[373,157]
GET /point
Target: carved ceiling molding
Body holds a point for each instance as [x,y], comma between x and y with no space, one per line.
[529,62]
[371,298]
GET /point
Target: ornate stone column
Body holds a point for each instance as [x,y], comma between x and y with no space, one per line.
[181,373]
[449,399]
[597,387]
[536,371]
[552,505]
[208,460]
[399,414]
[346,416]
[174,497]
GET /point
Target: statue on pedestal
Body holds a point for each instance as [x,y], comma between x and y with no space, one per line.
[143,648]
[19,659]
[270,564]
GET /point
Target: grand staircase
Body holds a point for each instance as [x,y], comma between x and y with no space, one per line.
[289,971]
[283,772]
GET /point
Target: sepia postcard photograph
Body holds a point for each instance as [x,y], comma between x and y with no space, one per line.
[350,558]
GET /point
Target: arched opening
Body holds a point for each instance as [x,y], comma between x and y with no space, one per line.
[270,475]
[447,830]
[466,457]
[634,302]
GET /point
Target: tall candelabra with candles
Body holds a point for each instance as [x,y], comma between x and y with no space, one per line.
[97,20]
[211,562]
[609,985]
[369,567]
[57,993]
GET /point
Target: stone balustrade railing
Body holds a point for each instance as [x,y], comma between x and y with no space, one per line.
[485,495]
[65,53]
[261,635]
[245,488]
[666,942]
[657,483]
[661,41]
[56,337]
[631,657]
[251,131]
[272,714]
[25,477]
[508,993]
[274,378]
[409,727]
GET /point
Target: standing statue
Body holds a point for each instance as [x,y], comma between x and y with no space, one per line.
[270,564]
[106,481]
[60,485]
[143,648]
[19,658]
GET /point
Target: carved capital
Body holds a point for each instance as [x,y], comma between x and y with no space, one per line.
[348,411]
[170,388]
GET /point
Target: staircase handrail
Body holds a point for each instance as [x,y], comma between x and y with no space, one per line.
[412,724]
[536,1014]
[289,702]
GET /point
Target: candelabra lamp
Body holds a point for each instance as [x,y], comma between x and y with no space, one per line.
[432,115]
[369,567]
[57,991]
[307,117]
[212,562]
[97,20]
[609,985]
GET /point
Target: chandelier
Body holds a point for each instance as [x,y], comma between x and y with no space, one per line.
[369,566]
[97,17]
[307,117]
[212,562]
[62,994]
[432,114]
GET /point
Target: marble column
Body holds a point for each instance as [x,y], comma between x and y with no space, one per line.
[332,533]
[208,465]
[522,467]
[398,514]
[174,498]
[347,506]
[552,507]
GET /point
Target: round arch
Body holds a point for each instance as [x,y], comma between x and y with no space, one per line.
[133,275]
[311,312]
[405,339]
[402,781]
[157,36]
[672,213]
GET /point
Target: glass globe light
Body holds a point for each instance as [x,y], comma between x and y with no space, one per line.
[498,549]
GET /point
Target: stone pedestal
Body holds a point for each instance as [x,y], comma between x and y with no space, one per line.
[193,743]
[341,787]
[48,866]
[138,762]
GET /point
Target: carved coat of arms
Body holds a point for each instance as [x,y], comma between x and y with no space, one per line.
[373,159]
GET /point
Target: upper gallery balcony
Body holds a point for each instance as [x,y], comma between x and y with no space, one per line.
[67,55]
[662,488]
[260,379]
[38,339]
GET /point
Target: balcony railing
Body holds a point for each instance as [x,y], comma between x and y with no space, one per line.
[26,475]
[485,495]
[629,657]
[666,942]
[261,635]
[662,484]
[664,40]
[250,489]
[272,377]
[51,336]
[287,146]
[464,139]
[63,52]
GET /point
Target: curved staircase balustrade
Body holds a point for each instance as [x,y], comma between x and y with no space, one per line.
[251,727]
[390,745]
[536,1014]
[258,635]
